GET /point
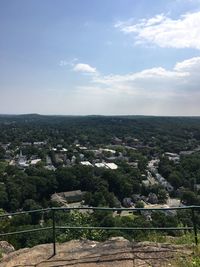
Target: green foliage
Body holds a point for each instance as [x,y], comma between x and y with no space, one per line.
[2,153]
[79,219]
[190,261]
[3,196]
[162,196]
[182,239]
[139,204]
[185,175]
[4,222]
[3,166]
[29,239]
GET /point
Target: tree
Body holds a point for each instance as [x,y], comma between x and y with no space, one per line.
[165,167]
[2,153]
[30,204]
[139,204]
[3,197]
[67,181]
[162,196]
[98,199]
[175,179]
[2,169]
[4,222]
[189,198]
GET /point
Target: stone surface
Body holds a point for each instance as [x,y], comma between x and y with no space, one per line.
[6,248]
[116,252]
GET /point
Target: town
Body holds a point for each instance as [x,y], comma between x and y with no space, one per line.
[126,153]
[97,161]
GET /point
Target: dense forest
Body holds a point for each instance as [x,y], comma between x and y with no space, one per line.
[168,133]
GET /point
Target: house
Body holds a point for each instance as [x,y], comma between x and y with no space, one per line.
[69,196]
[35,161]
[111,151]
[111,166]
[22,161]
[86,163]
[169,154]
[173,157]
[41,143]
[5,146]
[100,165]
[12,162]
[82,148]
[50,167]
[59,149]
[127,202]
[111,159]
[117,140]
[26,144]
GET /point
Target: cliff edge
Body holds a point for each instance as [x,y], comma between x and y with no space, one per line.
[117,252]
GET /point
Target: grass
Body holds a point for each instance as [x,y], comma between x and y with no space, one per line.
[189,261]
[184,239]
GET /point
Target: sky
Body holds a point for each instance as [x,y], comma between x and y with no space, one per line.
[100,57]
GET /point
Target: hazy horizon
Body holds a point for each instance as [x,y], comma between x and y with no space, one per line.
[98,115]
[103,57]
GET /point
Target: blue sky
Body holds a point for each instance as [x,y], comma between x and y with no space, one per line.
[100,57]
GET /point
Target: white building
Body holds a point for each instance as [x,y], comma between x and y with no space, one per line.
[111,166]
[35,161]
[86,163]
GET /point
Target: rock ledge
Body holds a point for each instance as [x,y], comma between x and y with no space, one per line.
[117,252]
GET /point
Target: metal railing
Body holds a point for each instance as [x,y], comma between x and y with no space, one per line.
[54,227]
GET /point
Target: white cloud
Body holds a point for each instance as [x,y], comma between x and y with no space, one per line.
[166,32]
[85,68]
[158,73]
[156,91]
[151,91]
[188,65]
[64,63]
[157,82]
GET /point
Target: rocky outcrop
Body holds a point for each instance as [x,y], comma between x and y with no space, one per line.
[117,252]
[5,248]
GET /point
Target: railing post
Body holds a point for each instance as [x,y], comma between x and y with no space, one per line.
[54,231]
[194,225]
